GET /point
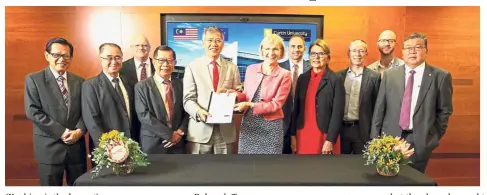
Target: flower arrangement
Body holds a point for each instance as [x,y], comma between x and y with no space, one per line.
[118,151]
[388,153]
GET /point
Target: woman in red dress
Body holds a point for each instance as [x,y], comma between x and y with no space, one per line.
[319,103]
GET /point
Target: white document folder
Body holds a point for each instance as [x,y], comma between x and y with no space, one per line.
[221,108]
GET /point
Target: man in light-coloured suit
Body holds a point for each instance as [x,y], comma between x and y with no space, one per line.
[297,65]
[386,45]
[414,102]
[202,76]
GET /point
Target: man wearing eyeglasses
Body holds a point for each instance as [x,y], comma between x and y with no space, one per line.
[137,69]
[207,74]
[297,65]
[386,45]
[159,106]
[107,98]
[361,88]
[52,100]
[414,102]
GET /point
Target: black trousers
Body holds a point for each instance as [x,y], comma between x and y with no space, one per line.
[350,141]
[286,149]
[52,174]
[419,165]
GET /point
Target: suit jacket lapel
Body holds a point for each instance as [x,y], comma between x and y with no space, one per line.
[223,72]
[132,70]
[160,108]
[425,85]
[286,65]
[52,83]
[324,80]
[400,76]
[107,86]
[73,86]
[152,69]
[363,85]
[306,65]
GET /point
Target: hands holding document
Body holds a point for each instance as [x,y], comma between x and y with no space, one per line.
[220,109]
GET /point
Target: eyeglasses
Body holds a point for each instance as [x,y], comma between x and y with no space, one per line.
[361,51]
[163,61]
[390,41]
[141,45]
[110,58]
[314,54]
[58,55]
[415,48]
[211,40]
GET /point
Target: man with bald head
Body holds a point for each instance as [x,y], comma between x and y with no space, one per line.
[137,69]
[140,66]
[361,88]
[386,45]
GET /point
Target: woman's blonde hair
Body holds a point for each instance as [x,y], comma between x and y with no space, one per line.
[273,39]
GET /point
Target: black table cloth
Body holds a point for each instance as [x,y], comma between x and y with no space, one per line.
[256,170]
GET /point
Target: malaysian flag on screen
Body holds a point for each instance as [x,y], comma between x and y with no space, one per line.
[186,34]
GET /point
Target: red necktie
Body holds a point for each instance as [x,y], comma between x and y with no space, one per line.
[216,76]
[143,73]
[406,102]
[170,102]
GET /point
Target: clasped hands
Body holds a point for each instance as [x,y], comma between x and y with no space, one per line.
[70,137]
[175,138]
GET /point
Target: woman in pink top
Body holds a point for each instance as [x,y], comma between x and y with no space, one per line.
[267,86]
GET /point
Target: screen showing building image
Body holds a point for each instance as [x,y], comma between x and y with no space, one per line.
[242,40]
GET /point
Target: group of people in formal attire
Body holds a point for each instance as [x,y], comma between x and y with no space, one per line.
[296,106]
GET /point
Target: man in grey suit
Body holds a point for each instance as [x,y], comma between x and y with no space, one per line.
[159,106]
[210,73]
[386,45]
[52,100]
[414,102]
[107,98]
[361,88]
[296,49]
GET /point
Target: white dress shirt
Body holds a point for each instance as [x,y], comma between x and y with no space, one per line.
[65,75]
[300,67]
[418,78]
[138,68]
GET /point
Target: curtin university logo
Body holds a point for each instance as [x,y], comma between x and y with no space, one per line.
[286,34]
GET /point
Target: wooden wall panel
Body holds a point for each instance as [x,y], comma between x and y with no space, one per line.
[453,33]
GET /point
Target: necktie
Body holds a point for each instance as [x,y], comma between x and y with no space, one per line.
[215,75]
[169,102]
[295,77]
[406,102]
[143,73]
[119,92]
[64,91]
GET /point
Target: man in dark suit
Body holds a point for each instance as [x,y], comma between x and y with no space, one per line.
[107,98]
[137,69]
[361,88]
[297,65]
[159,106]
[414,102]
[52,101]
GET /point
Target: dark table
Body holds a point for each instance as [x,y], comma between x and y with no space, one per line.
[256,170]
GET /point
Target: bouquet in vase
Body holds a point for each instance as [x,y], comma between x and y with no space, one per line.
[388,153]
[119,152]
